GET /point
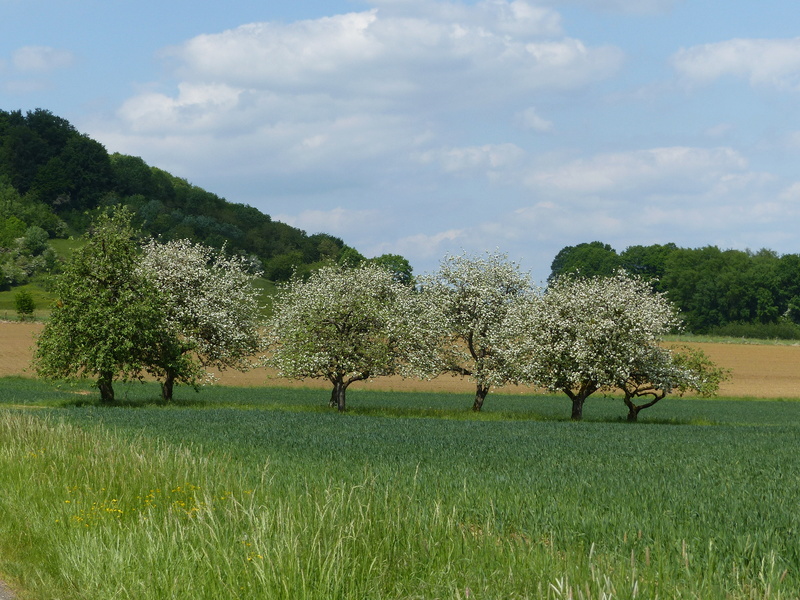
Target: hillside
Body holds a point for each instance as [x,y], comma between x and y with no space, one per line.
[53,179]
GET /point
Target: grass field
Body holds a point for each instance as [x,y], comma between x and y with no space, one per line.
[264,493]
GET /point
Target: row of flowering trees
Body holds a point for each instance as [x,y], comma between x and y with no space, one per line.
[481,317]
[175,310]
[171,310]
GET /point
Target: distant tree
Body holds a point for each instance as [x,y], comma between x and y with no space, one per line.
[34,241]
[400,267]
[661,371]
[589,259]
[475,295]
[23,302]
[350,324]
[108,321]
[211,306]
[593,334]
[350,257]
[787,274]
[648,261]
[11,228]
[133,176]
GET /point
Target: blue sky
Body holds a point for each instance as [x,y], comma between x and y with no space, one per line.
[425,127]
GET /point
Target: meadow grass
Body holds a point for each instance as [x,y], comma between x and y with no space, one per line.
[264,493]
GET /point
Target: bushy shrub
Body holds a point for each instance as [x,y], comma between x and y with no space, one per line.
[23,302]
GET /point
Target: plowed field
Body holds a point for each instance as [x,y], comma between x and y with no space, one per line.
[759,371]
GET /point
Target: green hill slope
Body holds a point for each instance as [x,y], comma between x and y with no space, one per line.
[53,179]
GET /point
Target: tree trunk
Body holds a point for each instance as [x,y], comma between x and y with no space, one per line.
[338,395]
[104,383]
[577,408]
[167,386]
[480,396]
[633,410]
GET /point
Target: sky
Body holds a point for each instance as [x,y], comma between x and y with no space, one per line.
[427,127]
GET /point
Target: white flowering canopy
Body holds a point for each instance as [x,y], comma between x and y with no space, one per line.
[593,334]
[476,295]
[209,299]
[349,324]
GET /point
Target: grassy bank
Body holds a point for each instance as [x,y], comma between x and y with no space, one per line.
[255,493]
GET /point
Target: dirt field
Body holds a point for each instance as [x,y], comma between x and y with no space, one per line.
[759,371]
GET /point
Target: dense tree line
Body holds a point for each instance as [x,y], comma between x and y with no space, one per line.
[735,292]
[56,179]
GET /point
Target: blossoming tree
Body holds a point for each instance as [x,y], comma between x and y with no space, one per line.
[665,371]
[211,310]
[475,296]
[598,334]
[348,324]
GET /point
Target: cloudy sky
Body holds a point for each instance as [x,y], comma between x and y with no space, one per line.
[426,127]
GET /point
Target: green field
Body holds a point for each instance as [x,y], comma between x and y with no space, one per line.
[264,493]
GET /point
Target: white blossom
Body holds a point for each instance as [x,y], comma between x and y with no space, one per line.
[350,324]
[476,295]
[593,334]
[210,303]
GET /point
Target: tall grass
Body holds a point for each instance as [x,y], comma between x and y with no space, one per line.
[252,503]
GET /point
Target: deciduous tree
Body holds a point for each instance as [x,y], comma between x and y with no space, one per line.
[351,324]
[107,321]
[662,371]
[23,302]
[593,334]
[211,310]
[475,295]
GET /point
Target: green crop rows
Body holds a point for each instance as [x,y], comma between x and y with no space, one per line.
[264,493]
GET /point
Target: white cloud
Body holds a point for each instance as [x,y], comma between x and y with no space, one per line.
[356,98]
[429,246]
[532,120]
[792,194]
[392,59]
[669,169]
[41,59]
[484,160]
[517,17]
[763,62]
[641,7]
[338,221]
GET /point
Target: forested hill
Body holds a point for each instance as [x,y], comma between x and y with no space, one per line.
[53,178]
[731,292]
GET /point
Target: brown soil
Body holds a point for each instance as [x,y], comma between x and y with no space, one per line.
[759,371]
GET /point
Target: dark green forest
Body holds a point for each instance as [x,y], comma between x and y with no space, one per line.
[54,180]
[726,292]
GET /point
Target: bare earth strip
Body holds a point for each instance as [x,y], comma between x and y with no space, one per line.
[759,371]
[5,592]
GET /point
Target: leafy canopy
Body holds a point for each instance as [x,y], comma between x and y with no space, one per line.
[349,324]
[108,321]
[591,334]
[210,306]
